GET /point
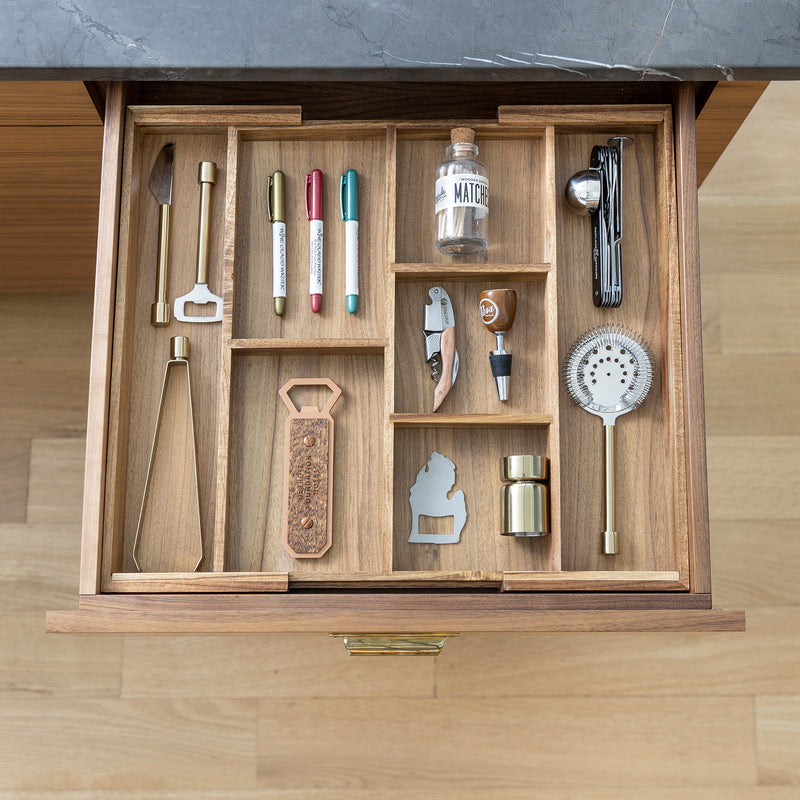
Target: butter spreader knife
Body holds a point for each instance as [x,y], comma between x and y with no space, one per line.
[161,188]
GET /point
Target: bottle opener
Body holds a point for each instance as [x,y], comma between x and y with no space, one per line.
[430,497]
[308,473]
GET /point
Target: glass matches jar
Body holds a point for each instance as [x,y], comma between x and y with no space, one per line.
[462,198]
[524,500]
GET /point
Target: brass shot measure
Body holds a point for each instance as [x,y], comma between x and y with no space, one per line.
[525,497]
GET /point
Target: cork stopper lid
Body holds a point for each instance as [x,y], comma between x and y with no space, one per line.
[462,135]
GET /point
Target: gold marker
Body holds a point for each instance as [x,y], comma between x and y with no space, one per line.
[277,216]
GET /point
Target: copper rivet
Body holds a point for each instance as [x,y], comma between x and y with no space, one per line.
[309,441]
[307,522]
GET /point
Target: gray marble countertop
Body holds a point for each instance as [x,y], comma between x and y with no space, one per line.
[395,40]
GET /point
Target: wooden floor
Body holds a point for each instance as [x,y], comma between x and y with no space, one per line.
[551,716]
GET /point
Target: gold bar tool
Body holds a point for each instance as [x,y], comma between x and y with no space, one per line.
[201,295]
[179,360]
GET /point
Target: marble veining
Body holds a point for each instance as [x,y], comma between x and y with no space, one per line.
[400,40]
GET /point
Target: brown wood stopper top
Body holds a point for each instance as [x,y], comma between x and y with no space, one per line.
[498,308]
[459,135]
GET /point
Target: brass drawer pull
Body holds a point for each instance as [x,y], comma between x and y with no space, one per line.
[394,644]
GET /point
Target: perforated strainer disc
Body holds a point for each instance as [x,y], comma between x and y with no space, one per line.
[609,371]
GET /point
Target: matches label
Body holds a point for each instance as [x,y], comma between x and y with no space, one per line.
[463,191]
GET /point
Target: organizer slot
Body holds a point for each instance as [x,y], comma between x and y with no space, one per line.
[650,509]
[517,196]
[385,431]
[142,350]
[253,315]
[481,549]
[256,463]
[474,391]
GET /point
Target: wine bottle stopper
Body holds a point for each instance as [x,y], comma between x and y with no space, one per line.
[498,308]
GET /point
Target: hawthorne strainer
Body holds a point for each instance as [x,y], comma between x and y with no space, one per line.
[608,372]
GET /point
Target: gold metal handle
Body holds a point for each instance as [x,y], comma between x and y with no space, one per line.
[394,644]
[610,538]
[207,178]
[159,311]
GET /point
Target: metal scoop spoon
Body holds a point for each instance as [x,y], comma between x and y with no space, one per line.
[608,373]
[583,191]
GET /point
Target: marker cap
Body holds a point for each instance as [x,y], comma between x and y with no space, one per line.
[348,195]
[276,204]
[314,194]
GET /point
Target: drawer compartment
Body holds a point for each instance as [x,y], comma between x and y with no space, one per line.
[373,577]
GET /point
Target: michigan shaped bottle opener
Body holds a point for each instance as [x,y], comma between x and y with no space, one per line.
[308,473]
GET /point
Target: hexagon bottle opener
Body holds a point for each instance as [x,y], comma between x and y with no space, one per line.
[308,473]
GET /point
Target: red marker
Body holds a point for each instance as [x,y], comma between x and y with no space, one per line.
[314,215]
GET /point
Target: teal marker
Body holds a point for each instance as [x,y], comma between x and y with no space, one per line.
[348,202]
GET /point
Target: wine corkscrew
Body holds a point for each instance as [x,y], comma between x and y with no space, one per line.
[440,343]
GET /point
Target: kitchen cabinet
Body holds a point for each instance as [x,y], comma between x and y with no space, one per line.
[372,580]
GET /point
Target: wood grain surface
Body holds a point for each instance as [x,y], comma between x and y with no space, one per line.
[253,315]
[476,454]
[537,239]
[47,104]
[474,391]
[141,351]
[255,478]
[647,519]
[477,751]
[51,140]
[95,548]
[691,333]
[721,117]
[517,197]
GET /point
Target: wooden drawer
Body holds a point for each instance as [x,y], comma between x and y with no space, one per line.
[372,579]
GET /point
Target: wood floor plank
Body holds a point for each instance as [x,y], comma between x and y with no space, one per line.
[44,364]
[35,663]
[755,563]
[52,743]
[39,567]
[427,746]
[55,489]
[778,738]
[294,665]
[746,237]
[764,659]
[753,477]
[766,404]
[709,301]
[759,315]
[540,792]
[14,459]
